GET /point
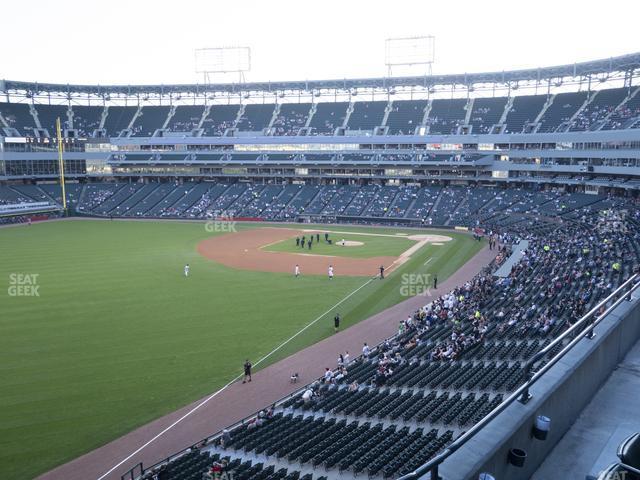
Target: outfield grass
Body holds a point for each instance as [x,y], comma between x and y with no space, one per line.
[118,337]
[373,246]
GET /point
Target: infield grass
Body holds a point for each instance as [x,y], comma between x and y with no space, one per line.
[118,336]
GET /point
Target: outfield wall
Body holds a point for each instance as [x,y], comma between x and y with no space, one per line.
[561,394]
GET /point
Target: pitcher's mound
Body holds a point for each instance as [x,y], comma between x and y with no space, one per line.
[349,243]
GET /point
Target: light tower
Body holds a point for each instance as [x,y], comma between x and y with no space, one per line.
[221,63]
[415,55]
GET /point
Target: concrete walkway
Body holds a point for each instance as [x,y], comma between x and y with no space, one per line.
[590,444]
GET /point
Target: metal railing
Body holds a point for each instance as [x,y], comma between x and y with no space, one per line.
[136,472]
[588,322]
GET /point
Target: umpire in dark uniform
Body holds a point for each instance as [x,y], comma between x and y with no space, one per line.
[336,323]
[247,371]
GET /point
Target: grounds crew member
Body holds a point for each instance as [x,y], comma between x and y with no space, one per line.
[247,371]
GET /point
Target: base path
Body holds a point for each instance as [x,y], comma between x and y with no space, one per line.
[238,401]
[243,250]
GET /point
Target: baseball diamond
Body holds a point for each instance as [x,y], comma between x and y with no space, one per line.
[239,274]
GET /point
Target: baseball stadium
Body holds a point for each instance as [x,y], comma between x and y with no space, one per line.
[424,276]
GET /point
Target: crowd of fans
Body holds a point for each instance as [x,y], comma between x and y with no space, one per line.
[587,118]
[557,280]
[622,115]
[217,129]
[287,125]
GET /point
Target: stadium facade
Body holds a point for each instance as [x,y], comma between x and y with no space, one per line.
[575,125]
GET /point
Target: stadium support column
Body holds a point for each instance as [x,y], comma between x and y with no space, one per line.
[61,164]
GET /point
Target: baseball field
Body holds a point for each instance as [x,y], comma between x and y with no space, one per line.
[101,331]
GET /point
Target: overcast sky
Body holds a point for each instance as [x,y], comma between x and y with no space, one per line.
[140,41]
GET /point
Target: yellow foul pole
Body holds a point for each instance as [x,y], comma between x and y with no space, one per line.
[61,164]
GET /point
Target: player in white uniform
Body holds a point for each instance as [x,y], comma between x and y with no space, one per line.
[297,271]
[186,270]
[330,272]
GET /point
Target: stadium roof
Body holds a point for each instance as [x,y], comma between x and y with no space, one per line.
[626,64]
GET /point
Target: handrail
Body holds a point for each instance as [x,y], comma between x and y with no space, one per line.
[629,286]
[630,468]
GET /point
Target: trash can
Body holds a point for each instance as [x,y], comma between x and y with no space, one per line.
[541,427]
[517,457]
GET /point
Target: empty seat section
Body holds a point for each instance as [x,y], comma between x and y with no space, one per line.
[48,114]
[328,117]
[149,120]
[86,119]
[525,109]
[220,118]
[291,118]
[486,112]
[446,115]
[118,119]
[256,117]
[366,115]
[186,118]
[18,116]
[405,116]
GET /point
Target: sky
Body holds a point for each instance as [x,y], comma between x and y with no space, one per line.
[153,42]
